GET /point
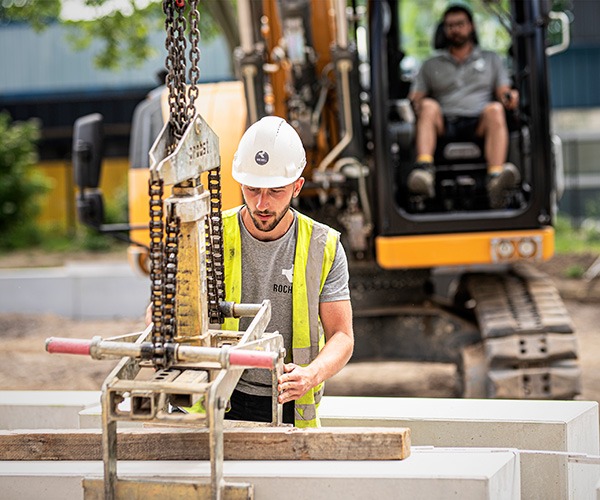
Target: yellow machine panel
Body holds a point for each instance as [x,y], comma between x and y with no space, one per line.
[222,105]
[398,252]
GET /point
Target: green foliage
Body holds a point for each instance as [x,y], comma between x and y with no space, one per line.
[592,208]
[115,212]
[125,38]
[20,186]
[574,272]
[124,34]
[83,238]
[575,240]
[37,13]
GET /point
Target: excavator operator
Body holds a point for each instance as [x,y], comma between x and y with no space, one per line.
[462,92]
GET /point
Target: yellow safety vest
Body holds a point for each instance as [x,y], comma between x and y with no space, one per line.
[316,245]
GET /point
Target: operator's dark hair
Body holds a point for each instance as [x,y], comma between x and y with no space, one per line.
[458,8]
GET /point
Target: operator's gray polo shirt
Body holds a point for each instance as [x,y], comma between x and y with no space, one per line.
[462,89]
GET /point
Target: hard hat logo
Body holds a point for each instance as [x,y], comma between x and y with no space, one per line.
[262,157]
[270,154]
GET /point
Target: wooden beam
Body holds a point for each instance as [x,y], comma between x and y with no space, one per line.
[262,443]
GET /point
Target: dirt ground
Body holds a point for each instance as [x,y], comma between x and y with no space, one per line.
[25,365]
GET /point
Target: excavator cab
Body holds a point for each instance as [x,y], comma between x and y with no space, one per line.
[345,89]
[461,204]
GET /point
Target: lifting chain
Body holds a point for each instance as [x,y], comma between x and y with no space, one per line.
[164,248]
[214,249]
[156,259]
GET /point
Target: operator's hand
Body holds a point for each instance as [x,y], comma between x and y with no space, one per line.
[510,100]
[295,382]
[416,106]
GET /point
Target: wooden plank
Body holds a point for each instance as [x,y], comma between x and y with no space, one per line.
[262,443]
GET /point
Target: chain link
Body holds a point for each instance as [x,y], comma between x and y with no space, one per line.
[194,59]
[155,191]
[163,251]
[164,244]
[175,43]
[214,249]
[170,274]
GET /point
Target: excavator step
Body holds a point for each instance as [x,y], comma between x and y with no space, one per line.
[529,347]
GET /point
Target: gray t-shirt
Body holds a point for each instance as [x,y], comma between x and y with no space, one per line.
[267,270]
[462,89]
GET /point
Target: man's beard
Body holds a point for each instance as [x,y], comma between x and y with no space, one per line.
[459,41]
[266,227]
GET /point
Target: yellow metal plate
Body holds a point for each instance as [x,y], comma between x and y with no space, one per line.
[435,250]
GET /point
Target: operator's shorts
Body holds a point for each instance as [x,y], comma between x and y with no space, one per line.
[461,128]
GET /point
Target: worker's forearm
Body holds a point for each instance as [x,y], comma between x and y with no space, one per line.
[333,357]
[297,380]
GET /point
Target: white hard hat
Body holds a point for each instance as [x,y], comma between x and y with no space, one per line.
[270,154]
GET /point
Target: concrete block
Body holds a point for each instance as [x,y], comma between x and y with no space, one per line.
[36,291]
[44,409]
[566,426]
[103,292]
[77,290]
[431,475]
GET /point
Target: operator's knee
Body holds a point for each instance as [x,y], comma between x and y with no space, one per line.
[494,115]
[430,108]
[430,116]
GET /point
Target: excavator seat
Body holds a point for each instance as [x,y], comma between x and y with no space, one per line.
[460,174]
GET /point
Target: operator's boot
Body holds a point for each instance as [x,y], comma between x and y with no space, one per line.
[499,183]
[421,180]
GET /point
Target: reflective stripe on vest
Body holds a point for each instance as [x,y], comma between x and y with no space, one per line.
[316,245]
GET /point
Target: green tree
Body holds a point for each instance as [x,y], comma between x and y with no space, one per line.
[124,34]
[20,186]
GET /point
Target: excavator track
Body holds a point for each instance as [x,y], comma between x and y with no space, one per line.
[529,345]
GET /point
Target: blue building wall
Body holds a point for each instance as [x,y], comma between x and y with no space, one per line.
[44,62]
[575,73]
[575,77]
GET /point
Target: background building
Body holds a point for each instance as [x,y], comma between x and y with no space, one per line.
[576,101]
[43,76]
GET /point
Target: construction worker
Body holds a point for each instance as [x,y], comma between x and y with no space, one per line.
[462,92]
[274,252]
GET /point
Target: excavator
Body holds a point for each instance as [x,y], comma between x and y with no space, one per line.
[448,279]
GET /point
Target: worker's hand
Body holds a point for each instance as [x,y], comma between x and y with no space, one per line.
[295,382]
[510,100]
